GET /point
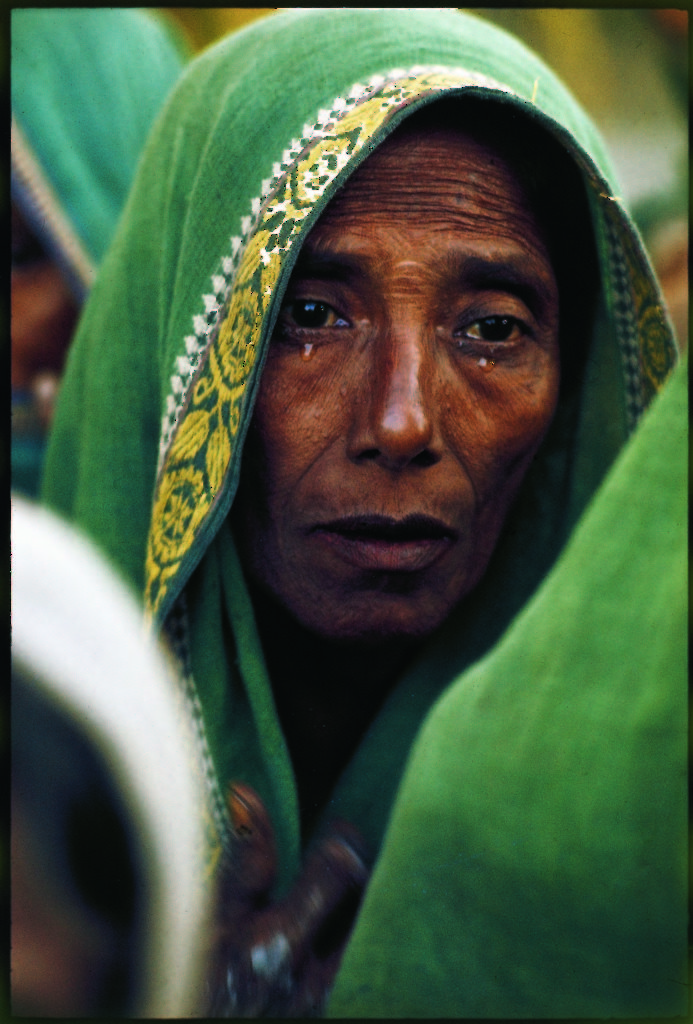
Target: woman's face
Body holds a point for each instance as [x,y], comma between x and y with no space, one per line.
[44,312]
[412,376]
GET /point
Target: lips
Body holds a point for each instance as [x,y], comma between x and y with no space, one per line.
[385,544]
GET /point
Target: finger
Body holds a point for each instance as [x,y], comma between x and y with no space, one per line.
[266,962]
[332,880]
[250,863]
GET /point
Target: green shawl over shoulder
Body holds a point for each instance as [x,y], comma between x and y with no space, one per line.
[260,133]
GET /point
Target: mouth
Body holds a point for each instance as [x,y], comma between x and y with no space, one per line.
[384,544]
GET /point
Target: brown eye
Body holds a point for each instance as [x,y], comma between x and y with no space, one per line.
[308,313]
[494,328]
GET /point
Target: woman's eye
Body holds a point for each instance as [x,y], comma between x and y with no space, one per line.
[494,328]
[308,313]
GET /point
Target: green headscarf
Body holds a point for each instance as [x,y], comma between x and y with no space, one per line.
[260,133]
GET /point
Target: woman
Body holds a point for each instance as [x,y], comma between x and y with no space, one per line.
[86,86]
[245,185]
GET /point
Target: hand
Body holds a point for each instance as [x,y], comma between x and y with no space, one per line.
[280,959]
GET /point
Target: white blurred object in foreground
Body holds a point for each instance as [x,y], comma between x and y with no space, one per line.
[90,688]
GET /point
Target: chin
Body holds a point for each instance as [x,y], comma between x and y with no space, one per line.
[375,622]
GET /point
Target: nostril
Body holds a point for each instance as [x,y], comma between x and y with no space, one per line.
[369,455]
[424,459]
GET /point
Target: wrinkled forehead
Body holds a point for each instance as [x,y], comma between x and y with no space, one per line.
[439,176]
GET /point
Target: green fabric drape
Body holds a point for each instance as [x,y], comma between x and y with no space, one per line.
[536,860]
[146,454]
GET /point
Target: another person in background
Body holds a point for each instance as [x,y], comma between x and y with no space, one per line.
[374,331]
[86,87]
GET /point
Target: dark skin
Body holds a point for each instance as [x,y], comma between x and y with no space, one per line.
[44,315]
[279,959]
[381,468]
[412,377]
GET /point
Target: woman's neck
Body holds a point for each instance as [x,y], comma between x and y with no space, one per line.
[327,693]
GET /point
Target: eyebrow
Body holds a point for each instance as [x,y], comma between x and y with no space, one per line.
[516,277]
[328,266]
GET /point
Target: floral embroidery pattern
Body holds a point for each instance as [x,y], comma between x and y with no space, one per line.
[645,339]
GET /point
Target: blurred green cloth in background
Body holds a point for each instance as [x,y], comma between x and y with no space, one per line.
[86,87]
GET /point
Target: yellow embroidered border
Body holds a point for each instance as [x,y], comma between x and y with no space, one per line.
[648,350]
[646,342]
[195,467]
[655,353]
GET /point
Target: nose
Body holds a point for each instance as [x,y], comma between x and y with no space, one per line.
[394,420]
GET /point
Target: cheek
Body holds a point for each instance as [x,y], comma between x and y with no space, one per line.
[497,421]
[298,416]
[44,316]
